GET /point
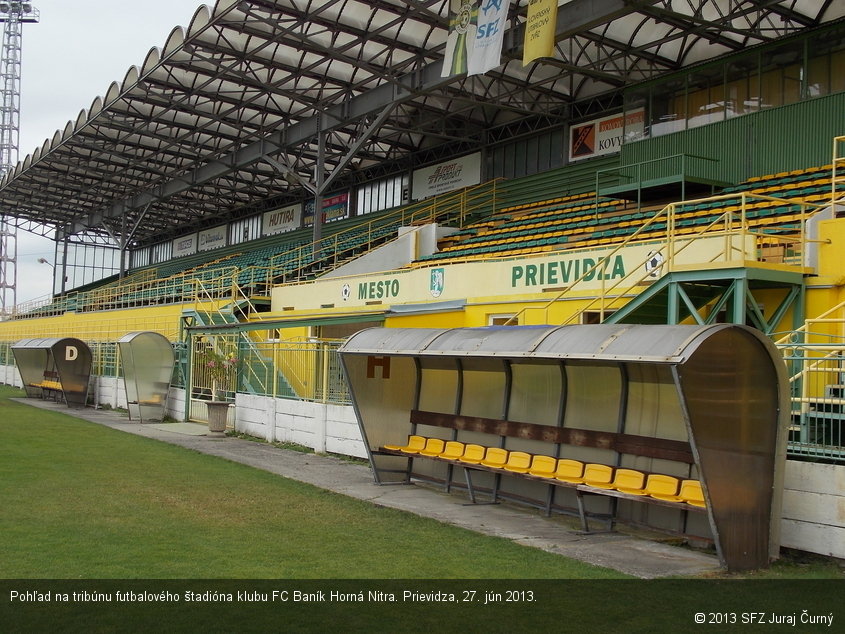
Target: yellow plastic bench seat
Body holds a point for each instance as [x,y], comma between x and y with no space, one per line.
[691,493]
[629,481]
[598,475]
[48,385]
[663,487]
[543,466]
[495,457]
[569,471]
[453,450]
[415,445]
[473,454]
[433,447]
[518,462]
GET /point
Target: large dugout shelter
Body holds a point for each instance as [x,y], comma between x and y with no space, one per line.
[702,402]
[260,103]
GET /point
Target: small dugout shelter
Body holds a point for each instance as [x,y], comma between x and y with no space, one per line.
[60,368]
[701,404]
[148,361]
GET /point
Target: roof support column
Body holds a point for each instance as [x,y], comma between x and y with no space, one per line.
[319,180]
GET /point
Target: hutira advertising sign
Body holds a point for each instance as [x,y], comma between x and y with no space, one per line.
[605,135]
[446,177]
[284,219]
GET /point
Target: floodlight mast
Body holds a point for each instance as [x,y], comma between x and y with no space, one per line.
[13,15]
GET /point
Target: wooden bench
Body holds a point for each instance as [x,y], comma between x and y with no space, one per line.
[520,464]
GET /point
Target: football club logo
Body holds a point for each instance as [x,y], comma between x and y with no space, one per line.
[437,282]
[345,292]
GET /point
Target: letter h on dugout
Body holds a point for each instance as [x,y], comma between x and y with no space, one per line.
[60,367]
[706,403]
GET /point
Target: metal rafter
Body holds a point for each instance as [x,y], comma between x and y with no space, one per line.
[184,139]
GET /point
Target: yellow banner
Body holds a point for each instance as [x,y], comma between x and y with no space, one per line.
[540,30]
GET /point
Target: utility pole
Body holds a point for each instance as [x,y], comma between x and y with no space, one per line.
[13,15]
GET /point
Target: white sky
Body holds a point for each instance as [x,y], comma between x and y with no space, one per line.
[68,59]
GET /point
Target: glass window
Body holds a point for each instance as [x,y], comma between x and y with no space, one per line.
[706,96]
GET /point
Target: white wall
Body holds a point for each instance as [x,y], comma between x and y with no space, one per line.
[814,508]
[412,243]
[322,427]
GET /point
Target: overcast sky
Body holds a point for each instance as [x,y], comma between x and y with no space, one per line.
[69,58]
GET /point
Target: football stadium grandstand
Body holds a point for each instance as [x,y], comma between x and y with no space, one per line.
[282,175]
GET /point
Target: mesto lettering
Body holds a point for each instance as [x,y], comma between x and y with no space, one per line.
[566,271]
[378,289]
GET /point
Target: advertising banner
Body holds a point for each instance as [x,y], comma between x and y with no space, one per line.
[476,32]
[186,245]
[446,177]
[284,219]
[486,53]
[540,27]
[212,238]
[334,207]
[605,135]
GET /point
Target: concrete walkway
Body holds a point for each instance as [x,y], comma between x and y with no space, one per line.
[629,554]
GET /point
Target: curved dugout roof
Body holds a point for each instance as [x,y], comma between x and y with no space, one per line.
[223,119]
[600,342]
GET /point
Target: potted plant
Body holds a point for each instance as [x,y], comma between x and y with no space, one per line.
[220,370]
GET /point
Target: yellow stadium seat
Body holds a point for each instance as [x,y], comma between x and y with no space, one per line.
[569,470]
[518,461]
[629,481]
[433,447]
[452,451]
[662,487]
[473,454]
[543,466]
[415,445]
[495,457]
[691,493]
[598,475]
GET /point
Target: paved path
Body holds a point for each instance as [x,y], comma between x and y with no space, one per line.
[629,554]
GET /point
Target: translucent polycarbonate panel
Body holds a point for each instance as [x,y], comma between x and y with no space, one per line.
[439,385]
[654,407]
[484,387]
[390,340]
[489,340]
[536,392]
[148,361]
[592,396]
[31,363]
[383,395]
[734,388]
[60,365]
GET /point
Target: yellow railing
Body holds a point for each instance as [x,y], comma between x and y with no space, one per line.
[143,289]
[732,224]
[103,329]
[330,251]
[837,181]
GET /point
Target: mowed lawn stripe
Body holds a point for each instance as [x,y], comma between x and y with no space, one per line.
[84,501]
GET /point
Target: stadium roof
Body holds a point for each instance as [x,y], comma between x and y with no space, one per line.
[226,116]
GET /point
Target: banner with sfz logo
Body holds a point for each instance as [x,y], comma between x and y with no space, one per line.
[476,32]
